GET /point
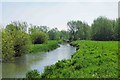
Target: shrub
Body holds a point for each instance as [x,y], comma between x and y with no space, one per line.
[14,42]
[7,47]
[21,43]
[33,74]
[39,37]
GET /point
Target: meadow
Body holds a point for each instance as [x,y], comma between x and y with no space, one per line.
[93,59]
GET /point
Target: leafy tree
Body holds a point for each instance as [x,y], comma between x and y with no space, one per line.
[102,29]
[39,37]
[78,30]
[72,29]
[15,42]
[34,28]
[64,35]
[116,28]
[21,39]
[54,34]
[32,74]
[22,26]
[7,47]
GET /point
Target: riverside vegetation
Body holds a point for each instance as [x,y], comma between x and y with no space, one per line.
[96,55]
[52,44]
[16,41]
[93,59]
[97,52]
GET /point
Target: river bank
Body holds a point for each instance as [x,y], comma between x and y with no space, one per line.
[36,61]
[93,59]
[50,45]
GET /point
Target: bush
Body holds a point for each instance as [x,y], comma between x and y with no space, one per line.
[14,43]
[39,37]
[44,47]
[7,47]
[33,74]
[21,43]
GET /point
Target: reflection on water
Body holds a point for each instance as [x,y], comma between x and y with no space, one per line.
[36,61]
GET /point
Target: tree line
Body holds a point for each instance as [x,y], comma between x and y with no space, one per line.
[102,29]
[17,36]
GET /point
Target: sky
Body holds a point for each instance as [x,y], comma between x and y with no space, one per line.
[57,14]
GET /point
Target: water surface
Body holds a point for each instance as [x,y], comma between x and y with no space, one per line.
[36,61]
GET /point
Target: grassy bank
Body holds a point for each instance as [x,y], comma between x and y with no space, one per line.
[50,45]
[93,59]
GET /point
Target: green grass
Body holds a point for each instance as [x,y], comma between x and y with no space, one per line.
[52,44]
[93,59]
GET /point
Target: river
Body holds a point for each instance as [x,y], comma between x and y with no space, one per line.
[36,61]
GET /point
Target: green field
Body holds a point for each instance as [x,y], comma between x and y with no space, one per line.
[93,59]
[50,45]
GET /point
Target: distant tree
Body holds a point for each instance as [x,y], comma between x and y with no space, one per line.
[39,37]
[102,29]
[116,28]
[78,30]
[34,28]
[54,34]
[83,30]
[72,29]
[64,35]
[22,26]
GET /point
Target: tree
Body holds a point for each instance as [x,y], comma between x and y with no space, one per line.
[116,28]
[32,74]
[72,29]
[15,42]
[54,34]
[34,28]
[22,26]
[39,37]
[7,47]
[64,35]
[78,30]
[102,29]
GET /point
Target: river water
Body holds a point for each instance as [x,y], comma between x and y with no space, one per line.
[36,61]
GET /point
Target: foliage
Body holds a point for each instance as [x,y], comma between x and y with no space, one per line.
[93,59]
[7,47]
[39,37]
[64,35]
[54,34]
[102,29]
[15,42]
[44,47]
[32,74]
[116,28]
[34,28]
[16,25]
[78,30]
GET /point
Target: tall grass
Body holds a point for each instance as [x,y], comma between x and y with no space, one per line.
[52,44]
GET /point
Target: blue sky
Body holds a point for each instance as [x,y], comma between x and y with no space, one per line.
[57,14]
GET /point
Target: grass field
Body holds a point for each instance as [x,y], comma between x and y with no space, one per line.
[52,44]
[93,59]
